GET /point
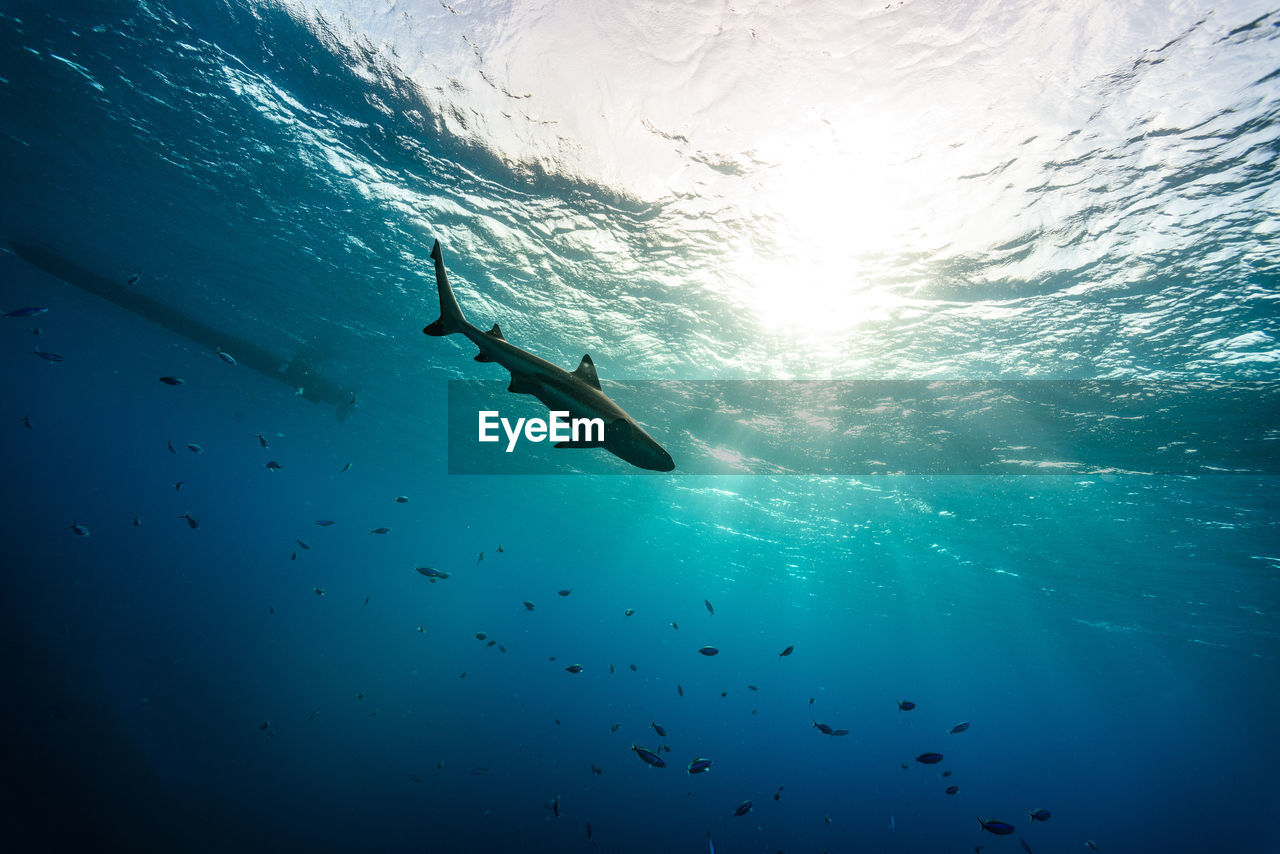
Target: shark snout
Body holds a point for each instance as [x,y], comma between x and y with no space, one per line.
[630,442]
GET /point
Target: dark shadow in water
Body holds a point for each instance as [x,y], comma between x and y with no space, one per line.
[297,373]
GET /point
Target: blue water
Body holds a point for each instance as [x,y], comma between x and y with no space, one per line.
[1110,636]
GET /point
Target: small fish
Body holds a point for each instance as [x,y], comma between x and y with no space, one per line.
[303,545]
[476,772]
[225,356]
[359,695]
[588,830]
[709,651]
[319,591]
[662,733]
[999,828]
[137,522]
[945,774]
[1025,846]
[500,550]
[479,557]
[628,612]
[929,758]
[380,531]
[192,521]
[825,729]
[481,636]
[528,606]
[26,422]
[614,727]
[415,778]
[574,668]
[905,705]
[698,766]
[752,688]
[787,652]
[564,592]
[347,467]
[680,690]
[293,555]
[555,806]
[78,529]
[827,819]
[134,279]
[172,380]
[432,573]
[904,765]
[264,725]
[194,448]
[649,757]
[710,610]
[262,440]
[742,809]
[610,668]
[777,796]
[501,648]
[400,499]
[172,450]
[1038,814]
[675,625]
[960,727]
[633,667]
[1093,846]
[25,312]
[177,485]
[595,770]
[951,790]
[724,693]
[46,355]
[274,466]
[811,702]
[838,732]
[324,523]
[271,609]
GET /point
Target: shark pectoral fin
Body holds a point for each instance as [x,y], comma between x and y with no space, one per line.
[587,372]
[483,357]
[495,332]
[521,385]
[579,444]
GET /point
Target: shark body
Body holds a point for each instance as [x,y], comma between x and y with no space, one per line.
[576,392]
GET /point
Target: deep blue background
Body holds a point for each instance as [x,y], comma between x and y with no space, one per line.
[1112,639]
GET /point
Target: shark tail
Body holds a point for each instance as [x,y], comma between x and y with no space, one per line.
[451,319]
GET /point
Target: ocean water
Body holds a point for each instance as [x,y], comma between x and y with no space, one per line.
[711,199]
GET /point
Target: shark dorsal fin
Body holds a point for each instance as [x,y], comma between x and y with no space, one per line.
[495,332]
[587,372]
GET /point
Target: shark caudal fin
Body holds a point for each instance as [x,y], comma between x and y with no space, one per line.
[451,319]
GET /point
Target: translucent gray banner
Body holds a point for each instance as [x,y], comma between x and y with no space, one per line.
[1040,427]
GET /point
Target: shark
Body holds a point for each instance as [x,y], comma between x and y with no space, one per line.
[577,392]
